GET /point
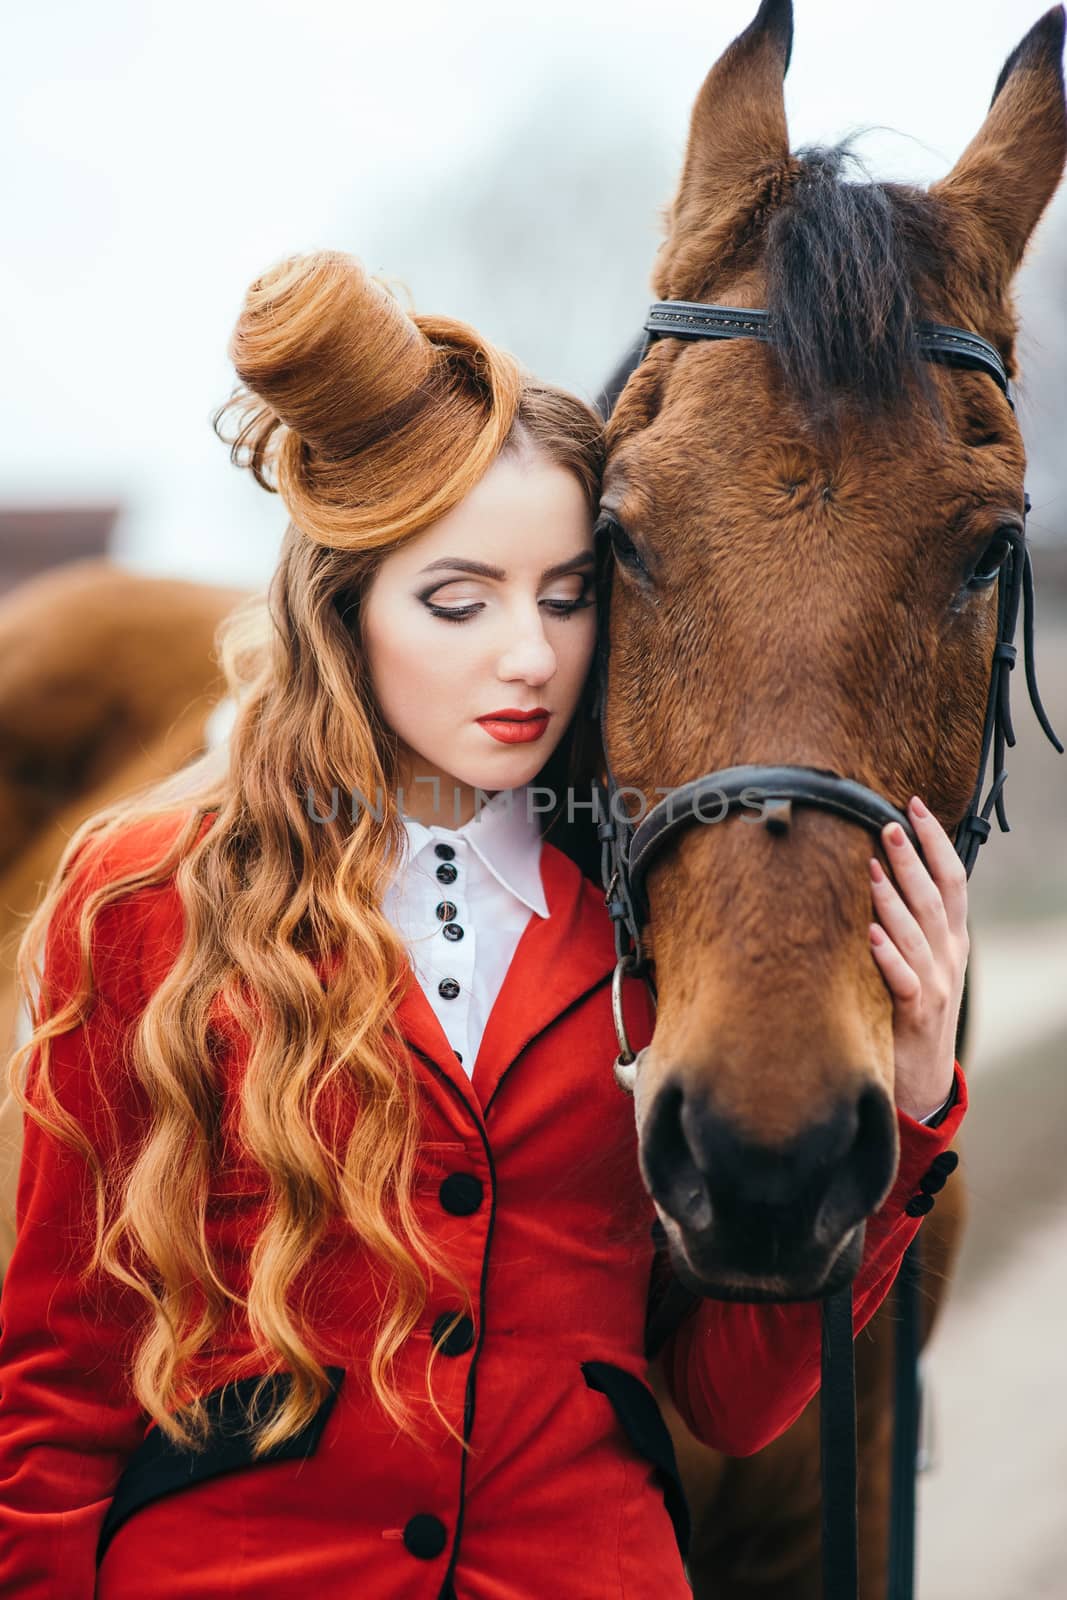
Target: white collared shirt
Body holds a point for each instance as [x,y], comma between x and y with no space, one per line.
[461,934]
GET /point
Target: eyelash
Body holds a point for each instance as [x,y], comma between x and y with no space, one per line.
[559,608]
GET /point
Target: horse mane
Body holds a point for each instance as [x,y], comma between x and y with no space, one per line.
[846,264]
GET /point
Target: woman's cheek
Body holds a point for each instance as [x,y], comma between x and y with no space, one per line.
[413,670]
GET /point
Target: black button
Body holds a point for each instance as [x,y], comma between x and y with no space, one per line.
[445,851]
[459,1340]
[453,931]
[446,911]
[461,1193]
[459,1058]
[447,873]
[425,1536]
[448,988]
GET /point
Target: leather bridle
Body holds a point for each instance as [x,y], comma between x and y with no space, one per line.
[628,850]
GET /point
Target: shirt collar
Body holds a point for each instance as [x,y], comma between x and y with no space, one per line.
[506,838]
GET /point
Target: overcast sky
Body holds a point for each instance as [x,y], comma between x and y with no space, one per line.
[508,169]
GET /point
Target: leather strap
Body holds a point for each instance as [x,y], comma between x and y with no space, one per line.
[714,796]
[907,1400]
[837,1449]
[689,319]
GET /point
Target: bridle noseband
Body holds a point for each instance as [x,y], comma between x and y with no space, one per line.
[628,849]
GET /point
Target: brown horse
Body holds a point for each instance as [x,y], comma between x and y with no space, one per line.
[798,535]
[107,679]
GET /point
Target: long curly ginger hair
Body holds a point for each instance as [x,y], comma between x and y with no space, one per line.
[369,422]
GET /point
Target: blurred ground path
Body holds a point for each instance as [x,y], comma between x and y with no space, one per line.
[1019,989]
[994,1509]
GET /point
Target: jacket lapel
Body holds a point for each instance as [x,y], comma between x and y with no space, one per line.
[424,1033]
[557,960]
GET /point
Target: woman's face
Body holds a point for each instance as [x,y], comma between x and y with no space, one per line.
[489,609]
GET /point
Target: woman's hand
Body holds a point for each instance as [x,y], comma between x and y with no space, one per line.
[920,945]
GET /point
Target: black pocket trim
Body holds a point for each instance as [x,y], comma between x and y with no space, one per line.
[642,1422]
[159,1467]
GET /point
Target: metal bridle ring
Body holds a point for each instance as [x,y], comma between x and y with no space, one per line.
[625,1071]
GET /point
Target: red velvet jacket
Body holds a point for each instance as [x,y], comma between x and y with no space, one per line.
[529,1181]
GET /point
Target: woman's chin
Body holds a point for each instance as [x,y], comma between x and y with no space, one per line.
[509,773]
[505,767]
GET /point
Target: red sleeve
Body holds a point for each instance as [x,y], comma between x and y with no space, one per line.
[741,1374]
[68,1419]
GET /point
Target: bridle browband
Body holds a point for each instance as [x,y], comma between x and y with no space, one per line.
[689,319]
[628,849]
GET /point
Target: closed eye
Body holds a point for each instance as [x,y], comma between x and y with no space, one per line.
[555,605]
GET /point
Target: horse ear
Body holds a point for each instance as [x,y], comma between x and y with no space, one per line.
[737,136]
[1008,173]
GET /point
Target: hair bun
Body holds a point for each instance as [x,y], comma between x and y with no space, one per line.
[368,419]
[327,347]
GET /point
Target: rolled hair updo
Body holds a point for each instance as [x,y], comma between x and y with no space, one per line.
[370,423]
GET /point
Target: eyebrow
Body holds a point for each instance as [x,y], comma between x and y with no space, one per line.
[482,569]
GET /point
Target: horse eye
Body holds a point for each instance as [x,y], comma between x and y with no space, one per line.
[992,558]
[623,546]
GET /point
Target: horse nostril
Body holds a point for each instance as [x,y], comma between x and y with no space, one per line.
[860,1180]
[673,1177]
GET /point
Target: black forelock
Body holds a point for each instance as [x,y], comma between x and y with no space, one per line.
[845,261]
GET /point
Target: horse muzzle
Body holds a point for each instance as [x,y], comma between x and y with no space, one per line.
[750,1221]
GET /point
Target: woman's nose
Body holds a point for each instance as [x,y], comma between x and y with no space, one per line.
[528,654]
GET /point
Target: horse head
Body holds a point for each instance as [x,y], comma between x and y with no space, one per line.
[806,534]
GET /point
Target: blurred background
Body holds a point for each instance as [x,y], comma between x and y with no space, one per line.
[509,168]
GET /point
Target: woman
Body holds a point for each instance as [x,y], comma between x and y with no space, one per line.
[334,1262]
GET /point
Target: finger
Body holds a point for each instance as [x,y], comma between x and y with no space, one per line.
[903,982]
[898,921]
[917,887]
[942,859]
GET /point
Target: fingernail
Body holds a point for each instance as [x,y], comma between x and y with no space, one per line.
[876,871]
[918,807]
[896,834]
[875,932]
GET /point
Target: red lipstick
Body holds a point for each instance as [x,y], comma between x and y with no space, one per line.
[515,727]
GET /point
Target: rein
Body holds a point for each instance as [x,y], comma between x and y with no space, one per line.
[628,850]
